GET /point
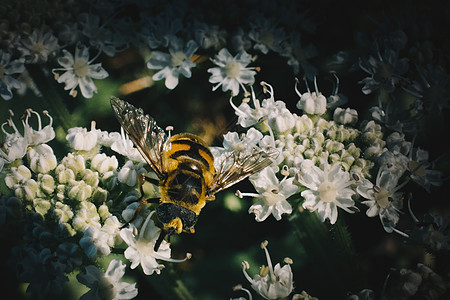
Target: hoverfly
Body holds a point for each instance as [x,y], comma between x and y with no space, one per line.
[184,165]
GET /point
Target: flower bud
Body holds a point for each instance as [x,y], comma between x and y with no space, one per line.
[80,191]
[46,183]
[345,116]
[41,159]
[103,163]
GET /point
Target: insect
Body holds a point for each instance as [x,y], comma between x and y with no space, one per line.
[184,165]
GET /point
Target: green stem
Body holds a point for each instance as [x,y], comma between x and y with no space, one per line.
[329,253]
[52,95]
[169,285]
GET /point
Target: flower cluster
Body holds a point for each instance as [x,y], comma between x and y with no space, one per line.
[176,38]
[66,206]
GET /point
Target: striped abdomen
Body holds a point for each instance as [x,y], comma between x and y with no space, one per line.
[190,172]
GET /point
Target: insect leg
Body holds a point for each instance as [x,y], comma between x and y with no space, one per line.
[141,200]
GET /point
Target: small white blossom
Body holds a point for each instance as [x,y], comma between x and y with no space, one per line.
[86,216]
[174,63]
[345,116]
[41,135]
[103,163]
[79,71]
[266,35]
[130,172]
[124,146]
[14,145]
[383,198]
[312,103]
[140,249]
[80,138]
[271,282]
[38,46]
[272,195]
[41,159]
[231,72]
[107,285]
[8,68]
[327,190]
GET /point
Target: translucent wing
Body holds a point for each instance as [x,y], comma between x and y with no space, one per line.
[236,166]
[148,137]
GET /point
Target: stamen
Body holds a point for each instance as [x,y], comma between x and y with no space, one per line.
[336,89]
[315,85]
[45,112]
[295,87]
[269,261]
[410,210]
[235,107]
[245,267]
[400,232]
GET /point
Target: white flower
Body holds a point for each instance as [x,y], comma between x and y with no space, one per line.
[79,71]
[272,195]
[130,172]
[41,159]
[209,36]
[162,29]
[345,116]
[86,216]
[81,139]
[271,283]
[9,67]
[266,34]
[383,198]
[98,34]
[232,72]
[312,103]
[41,135]
[124,146]
[14,145]
[38,46]
[232,143]
[107,285]
[327,190]
[103,163]
[174,63]
[248,116]
[94,243]
[419,167]
[140,249]
[98,241]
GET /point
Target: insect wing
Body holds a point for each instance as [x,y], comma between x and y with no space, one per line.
[236,166]
[146,135]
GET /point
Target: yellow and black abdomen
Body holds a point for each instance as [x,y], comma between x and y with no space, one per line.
[190,170]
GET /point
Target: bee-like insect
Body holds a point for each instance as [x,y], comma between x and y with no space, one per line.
[184,165]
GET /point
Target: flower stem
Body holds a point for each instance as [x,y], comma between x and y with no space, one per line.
[169,284]
[50,93]
[329,253]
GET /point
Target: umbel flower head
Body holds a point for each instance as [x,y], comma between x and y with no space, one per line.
[271,282]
